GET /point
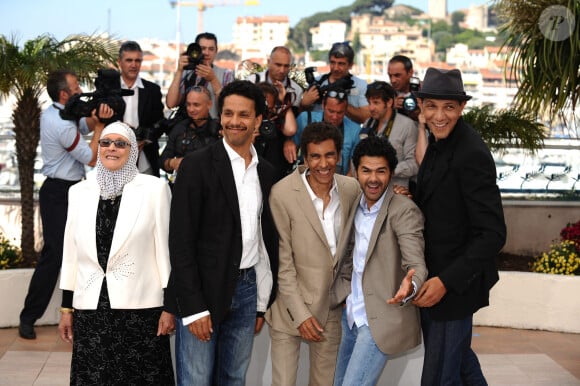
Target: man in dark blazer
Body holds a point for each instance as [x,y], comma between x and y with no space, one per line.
[223,246]
[143,109]
[464,231]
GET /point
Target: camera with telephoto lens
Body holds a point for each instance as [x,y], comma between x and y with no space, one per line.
[194,55]
[107,91]
[410,102]
[344,83]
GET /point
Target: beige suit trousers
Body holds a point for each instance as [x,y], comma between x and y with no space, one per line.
[323,354]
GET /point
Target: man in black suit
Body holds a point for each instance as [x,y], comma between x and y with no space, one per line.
[464,231]
[143,109]
[223,246]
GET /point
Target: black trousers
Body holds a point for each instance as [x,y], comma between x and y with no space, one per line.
[53,198]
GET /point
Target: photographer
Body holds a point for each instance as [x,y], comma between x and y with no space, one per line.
[279,65]
[341,58]
[278,124]
[334,107]
[194,133]
[64,156]
[400,130]
[401,76]
[205,74]
[143,109]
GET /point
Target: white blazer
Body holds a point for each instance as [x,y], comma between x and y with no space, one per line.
[138,267]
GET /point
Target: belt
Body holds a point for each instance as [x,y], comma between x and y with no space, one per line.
[245,271]
[61,181]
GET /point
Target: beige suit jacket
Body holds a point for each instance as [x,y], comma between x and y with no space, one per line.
[307,267]
[396,245]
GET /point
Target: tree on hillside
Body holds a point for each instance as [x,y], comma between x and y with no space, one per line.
[300,34]
[543,44]
[23,72]
[457,18]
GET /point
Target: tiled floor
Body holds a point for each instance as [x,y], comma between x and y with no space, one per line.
[508,357]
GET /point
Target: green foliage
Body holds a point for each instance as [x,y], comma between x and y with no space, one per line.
[546,68]
[10,256]
[23,72]
[300,35]
[507,128]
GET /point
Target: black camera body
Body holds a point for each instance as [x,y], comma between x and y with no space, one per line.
[107,90]
[410,102]
[268,129]
[194,55]
[345,83]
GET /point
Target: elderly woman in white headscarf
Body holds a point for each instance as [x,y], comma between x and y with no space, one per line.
[115,268]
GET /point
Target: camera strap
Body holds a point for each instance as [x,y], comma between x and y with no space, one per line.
[386,131]
[75,142]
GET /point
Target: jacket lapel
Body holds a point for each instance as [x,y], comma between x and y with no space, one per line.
[379,221]
[129,210]
[304,202]
[226,177]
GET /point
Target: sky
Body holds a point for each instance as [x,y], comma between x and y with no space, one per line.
[137,19]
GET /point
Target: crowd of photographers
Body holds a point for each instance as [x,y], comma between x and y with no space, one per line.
[193,123]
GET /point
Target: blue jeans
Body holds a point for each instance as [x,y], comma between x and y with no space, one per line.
[360,362]
[449,359]
[224,360]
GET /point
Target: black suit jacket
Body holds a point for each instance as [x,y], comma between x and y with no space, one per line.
[205,234]
[150,111]
[464,223]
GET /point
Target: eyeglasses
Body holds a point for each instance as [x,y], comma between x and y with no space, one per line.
[340,95]
[119,143]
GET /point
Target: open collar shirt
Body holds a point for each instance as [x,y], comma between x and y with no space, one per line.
[330,217]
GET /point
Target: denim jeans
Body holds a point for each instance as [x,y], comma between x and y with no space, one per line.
[360,362]
[449,359]
[224,360]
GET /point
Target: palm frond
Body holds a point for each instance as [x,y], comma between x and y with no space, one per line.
[507,128]
[547,69]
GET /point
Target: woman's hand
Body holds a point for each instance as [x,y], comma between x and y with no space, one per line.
[166,324]
[65,327]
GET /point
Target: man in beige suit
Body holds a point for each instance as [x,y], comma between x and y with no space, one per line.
[381,268]
[310,208]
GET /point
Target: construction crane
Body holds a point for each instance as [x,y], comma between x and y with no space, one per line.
[202,5]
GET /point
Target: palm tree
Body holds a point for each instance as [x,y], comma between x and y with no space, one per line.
[543,45]
[23,72]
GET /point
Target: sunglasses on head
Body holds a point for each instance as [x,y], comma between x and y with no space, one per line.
[341,48]
[119,143]
[340,95]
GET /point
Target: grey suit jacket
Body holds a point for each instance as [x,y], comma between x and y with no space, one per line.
[396,245]
[307,267]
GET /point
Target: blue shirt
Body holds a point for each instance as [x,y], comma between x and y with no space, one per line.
[364,221]
[56,135]
[350,132]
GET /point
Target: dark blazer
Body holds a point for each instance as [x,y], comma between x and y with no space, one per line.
[150,111]
[205,235]
[464,223]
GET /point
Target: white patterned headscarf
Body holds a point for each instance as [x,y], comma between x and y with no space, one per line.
[112,182]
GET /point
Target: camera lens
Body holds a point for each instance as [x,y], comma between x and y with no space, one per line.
[410,103]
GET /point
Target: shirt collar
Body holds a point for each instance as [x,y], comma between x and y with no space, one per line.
[376,207]
[333,189]
[233,155]
[138,83]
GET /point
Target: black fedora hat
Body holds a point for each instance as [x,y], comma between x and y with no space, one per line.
[442,84]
